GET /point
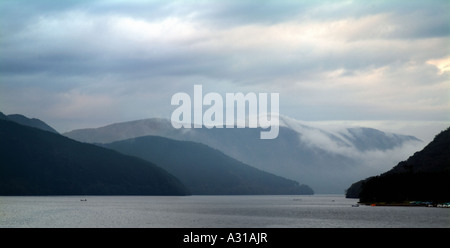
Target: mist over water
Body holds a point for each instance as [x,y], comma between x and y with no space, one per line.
[315,211]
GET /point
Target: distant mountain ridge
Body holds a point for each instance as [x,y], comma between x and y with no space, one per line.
[424,176]
[31,122]
[37,162]
[359,137]
[206,171]
[124,130]
[326,160]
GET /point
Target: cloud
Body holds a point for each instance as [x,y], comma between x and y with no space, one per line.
[442,64]
[329,60]
[336,139]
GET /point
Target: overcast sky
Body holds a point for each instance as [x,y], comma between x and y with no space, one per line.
[77,64]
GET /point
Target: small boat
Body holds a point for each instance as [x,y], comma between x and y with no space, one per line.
[83,199]
[355,205]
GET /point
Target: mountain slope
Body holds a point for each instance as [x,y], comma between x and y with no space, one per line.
[422,177]
[206,171]
[327,160]
[31,122]
[36,162]
[125,130]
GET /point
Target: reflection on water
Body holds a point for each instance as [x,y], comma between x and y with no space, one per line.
[211,211]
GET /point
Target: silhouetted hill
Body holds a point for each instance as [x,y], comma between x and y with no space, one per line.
[207,171]
[36,162]
[31,122]
[328,159]
[422,177]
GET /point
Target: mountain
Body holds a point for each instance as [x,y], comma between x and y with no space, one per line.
[37,162]
[207,171]
[326,159]
[424,176]
[125,130]
[31,122]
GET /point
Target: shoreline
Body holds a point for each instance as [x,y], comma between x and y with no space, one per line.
[407,204]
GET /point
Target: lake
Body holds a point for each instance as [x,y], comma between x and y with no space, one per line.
[316,211]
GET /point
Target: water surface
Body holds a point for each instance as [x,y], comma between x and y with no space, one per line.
[211,211]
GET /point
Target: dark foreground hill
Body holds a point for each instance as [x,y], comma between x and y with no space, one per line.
[207,171]
[36,162]
[422,177]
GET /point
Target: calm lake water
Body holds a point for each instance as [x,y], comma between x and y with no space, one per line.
[211,211]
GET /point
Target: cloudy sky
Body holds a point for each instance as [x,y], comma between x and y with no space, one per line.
[77,64]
